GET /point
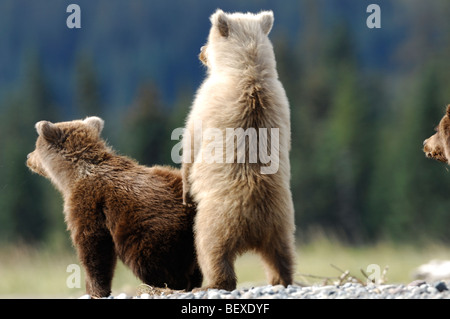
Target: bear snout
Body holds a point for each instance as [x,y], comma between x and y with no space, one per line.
[34,164]
[426,148]
[29,158]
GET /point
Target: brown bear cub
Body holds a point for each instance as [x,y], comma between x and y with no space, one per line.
[116,208]
[438,145]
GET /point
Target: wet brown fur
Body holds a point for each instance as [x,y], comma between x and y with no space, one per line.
[115,208]
[438,145]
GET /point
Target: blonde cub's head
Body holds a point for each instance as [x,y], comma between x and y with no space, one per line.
[64,150]
[238,40]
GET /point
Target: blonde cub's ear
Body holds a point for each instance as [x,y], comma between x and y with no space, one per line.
[219,19]
[266,18]
[49,131]
[95,122]
[448,110]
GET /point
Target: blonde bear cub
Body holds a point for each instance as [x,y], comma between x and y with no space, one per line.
[242,204]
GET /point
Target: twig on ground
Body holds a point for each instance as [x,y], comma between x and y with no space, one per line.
[155,291]
[345,277]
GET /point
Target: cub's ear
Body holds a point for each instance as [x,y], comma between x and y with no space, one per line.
[219,19]
[95,122]
[448,110]
[49,131]
[266,18]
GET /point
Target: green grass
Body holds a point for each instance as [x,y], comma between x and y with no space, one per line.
[319,259]
[31,273]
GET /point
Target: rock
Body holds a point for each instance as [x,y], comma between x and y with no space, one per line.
[247,295]
[188,295]
[214,294]
[278,288]
[435,270]
[418,289]
[417,283]
[441,286]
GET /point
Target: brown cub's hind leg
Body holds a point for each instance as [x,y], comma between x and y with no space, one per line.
[195,279]
[96,253]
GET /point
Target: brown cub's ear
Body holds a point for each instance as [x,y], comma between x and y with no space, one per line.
[95,122]
[220,20]
[49,131]
[448,110]
[266,18]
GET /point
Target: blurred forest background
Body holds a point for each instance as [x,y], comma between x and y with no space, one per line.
[362,102]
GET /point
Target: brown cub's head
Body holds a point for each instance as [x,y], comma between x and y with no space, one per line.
[64,150]
[438,145]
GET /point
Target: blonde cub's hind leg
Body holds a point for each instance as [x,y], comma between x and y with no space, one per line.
[278,258]
[216,258]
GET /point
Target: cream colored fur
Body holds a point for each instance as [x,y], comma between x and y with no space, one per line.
[238,207]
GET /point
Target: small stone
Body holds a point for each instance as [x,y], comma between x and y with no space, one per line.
[247,295]
[278,288]
[431,290]
[298,294]
[201,294]
[273,296]
[145,296]
[417,283]
[213,295]
[397,289]
[122,296]
[347,285]
[85,297]
[290,290]
[441,286]
[256,291]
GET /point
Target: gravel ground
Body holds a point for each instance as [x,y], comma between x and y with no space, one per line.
[414,290]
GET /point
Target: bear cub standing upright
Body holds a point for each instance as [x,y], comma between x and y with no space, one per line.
[116,208]
[242,203]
